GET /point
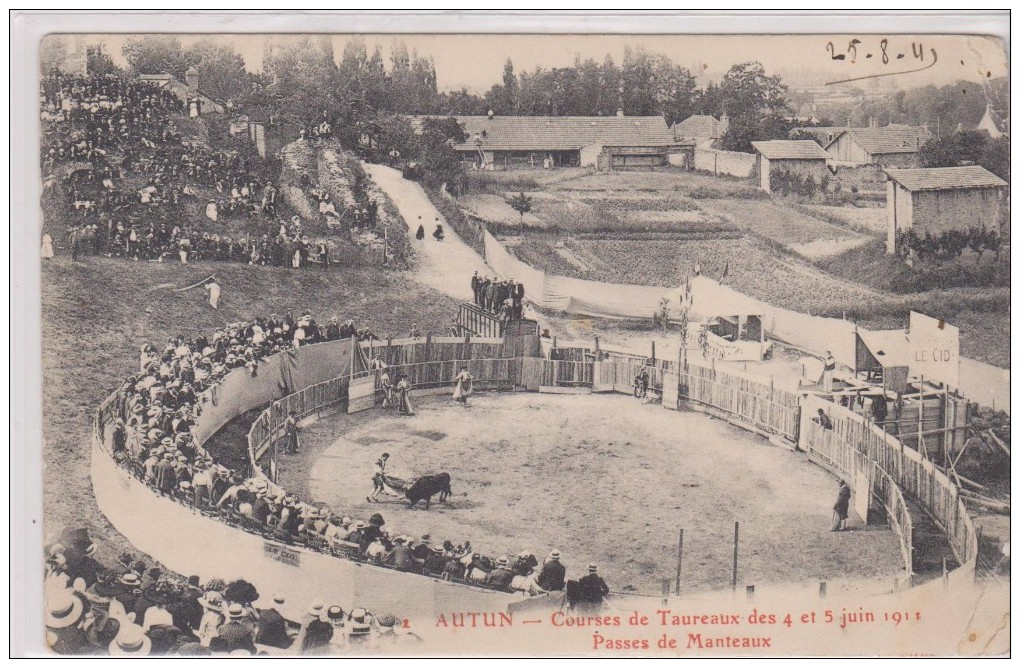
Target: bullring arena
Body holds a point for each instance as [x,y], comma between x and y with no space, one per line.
[233,290]
[605,478]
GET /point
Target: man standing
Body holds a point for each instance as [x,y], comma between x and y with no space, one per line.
[463,387]
[476,283]
[290,434]
[593,589]
[378,477]
[828,370]
[214,292]
[517,295]
[553,572]
[841,510]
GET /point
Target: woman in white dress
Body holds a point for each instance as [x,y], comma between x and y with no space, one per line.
[47,246]
[463,390]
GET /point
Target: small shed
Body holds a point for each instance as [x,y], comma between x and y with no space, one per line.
[733,320]
[802,157]
[701,129]
[886,147]
[934,200]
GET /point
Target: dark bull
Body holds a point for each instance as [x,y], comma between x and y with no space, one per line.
[427,487]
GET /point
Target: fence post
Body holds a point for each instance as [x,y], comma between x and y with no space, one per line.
[679,560]
[736,544]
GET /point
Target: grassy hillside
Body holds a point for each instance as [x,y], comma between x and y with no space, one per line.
[97,313]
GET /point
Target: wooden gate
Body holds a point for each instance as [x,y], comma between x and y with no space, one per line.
[361,393]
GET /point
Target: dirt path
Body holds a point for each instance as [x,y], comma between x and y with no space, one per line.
[446,266]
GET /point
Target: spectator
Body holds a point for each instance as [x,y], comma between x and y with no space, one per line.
[400,557]
[273,626]
[501,577]
[841,509]
[553,573]
[592,590]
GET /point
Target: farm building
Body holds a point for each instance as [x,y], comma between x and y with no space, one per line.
[886,147]
[801,157]
[821,134]
[701,129]
[602,142]
[937,199]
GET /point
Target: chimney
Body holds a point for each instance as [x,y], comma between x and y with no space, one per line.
[872,122]
[619,112]
[191,79]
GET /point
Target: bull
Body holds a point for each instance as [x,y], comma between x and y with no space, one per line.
[427,487]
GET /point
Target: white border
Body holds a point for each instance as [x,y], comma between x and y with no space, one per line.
[27,28]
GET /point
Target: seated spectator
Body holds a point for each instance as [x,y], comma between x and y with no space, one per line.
[501,577]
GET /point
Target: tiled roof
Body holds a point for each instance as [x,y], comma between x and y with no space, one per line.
[790,150]
[696,126]
[945,178]
[507,133]
[889,140]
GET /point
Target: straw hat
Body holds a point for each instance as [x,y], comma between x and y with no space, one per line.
[212,600]
[316,608]
[130,579]
[63,609]
[131,639]
[335,616]
[235,611]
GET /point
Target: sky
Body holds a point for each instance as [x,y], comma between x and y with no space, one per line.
[475,61]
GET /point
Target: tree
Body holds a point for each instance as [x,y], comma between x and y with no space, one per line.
[157,53]
[52,52]
[440,164]
[520,203]
[747,90]
[221,72]
[99,61]
[754,102]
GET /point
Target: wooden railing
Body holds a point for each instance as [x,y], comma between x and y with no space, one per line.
[761,405]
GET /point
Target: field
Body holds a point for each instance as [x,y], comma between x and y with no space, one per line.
[652,227]
[602,478]
[98,312]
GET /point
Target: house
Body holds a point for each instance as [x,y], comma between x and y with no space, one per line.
[937,199]
[186,91]
[701,129]
[988,124]
[824,135]
[602,142]
[885,147]
[802,157]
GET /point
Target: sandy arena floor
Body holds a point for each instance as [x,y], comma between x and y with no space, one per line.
[603,478]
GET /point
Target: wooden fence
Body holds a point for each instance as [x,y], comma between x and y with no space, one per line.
[853,444]
[398,352]
[830,450]
[917,477]
[475,321]
[761,405]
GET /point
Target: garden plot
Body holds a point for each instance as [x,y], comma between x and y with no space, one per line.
[494,209]
[781,224]
[875,220]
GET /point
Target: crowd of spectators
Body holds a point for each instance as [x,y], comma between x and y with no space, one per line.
[500,297]
[130,609]
[126,175]
[147,423]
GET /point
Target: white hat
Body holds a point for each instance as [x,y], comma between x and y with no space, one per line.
[131,639]
[63,609]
